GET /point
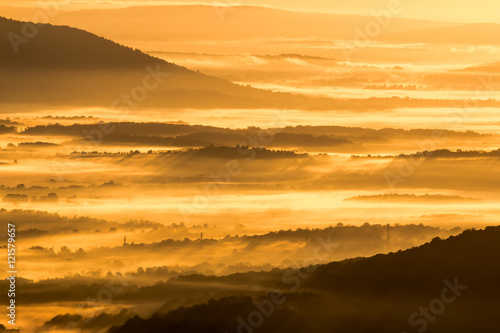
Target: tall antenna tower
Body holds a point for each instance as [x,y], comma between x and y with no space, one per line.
[201,238]
[388,236]
[307,236]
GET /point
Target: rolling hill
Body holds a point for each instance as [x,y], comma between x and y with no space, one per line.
[443,286]
[66,66]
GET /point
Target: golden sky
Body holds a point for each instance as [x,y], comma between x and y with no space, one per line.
[457,10]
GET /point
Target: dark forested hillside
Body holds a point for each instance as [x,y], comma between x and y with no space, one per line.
[60,65]
[436,287]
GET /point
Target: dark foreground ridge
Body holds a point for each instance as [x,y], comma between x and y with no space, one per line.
[443,286]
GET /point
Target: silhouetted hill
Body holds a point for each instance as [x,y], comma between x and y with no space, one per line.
[56,47]
[65,66]
[443,286]
[470,256]
[59,66]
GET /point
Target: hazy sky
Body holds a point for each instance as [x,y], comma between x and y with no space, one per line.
[457,10]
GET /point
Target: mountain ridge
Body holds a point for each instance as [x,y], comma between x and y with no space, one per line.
[387,291]
[70,66]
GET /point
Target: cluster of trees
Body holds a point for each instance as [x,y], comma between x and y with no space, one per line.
[16,198]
